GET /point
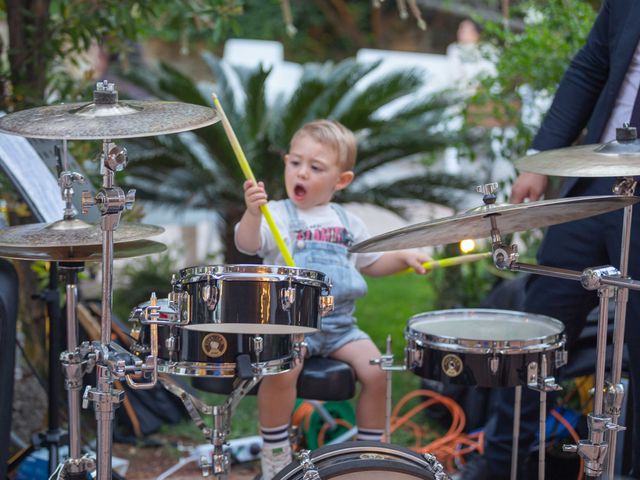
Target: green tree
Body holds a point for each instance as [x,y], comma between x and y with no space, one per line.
[198,169]
[529,66]
[43,34]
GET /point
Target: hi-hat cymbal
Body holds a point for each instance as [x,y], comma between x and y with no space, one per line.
[613,159]
[476,223]
[71,233]
[91,121]
[85,253]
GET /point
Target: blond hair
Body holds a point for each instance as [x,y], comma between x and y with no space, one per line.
[335,136]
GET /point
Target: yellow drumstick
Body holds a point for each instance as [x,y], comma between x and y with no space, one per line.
[451,261]
[246,169]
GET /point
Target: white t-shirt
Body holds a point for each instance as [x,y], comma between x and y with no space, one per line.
[623,107]
[322,223]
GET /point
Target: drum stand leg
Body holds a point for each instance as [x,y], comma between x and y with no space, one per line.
[386,364]
[217,434]
[615,390]
[517,402]
[539,380]
[75,365]
[594,450]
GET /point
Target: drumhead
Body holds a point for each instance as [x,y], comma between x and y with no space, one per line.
[262,273]
[482,327]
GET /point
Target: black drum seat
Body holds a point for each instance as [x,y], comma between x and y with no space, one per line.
[321,379]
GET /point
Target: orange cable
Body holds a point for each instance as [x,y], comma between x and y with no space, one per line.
[574,436]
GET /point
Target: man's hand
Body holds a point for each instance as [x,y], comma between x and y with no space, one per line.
[528,186]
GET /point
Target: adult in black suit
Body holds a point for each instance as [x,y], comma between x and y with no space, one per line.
[598,92]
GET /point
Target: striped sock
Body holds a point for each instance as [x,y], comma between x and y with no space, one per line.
[276,450]
[369,434]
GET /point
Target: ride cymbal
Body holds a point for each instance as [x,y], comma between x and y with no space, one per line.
[613,159]
[476,223]
[71,233]
[85,253]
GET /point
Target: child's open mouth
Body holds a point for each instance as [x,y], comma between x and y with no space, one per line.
[299,192]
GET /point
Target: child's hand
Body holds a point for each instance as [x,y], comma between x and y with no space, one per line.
[415,260]
[254,196]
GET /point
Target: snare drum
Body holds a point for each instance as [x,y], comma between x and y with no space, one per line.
[488,348]
[208,354]
[251,299]
[365,461]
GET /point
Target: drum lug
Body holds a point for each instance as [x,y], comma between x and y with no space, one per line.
[561,358]
[171,343]
[258,346]
[210,296]
[413,355]
[494,364]
[299,347]
[436,467]
[532,374]
[287,297]
[309,469]
[326,305]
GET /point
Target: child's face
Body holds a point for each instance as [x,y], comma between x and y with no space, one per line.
[312,173]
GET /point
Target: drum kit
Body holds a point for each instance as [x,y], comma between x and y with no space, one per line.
[247,321]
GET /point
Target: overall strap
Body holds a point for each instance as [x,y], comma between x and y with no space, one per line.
[295,223]
[344,219]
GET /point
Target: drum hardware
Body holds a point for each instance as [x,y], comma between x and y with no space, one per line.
[309,469]
[66,180]
[288,295]
[219,463]
[202,353]
[619,158]
[385,362]
[594,451]
[361,460]
[104,119]
[258,345]
[251,299]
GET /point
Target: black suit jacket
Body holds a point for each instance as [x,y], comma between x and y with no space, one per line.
[589,88]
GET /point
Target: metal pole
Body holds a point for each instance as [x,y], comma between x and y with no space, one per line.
[517,402]
[622,296]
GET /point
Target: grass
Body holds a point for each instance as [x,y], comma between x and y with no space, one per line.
[390,303]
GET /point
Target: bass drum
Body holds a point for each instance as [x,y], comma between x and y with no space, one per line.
[365,461]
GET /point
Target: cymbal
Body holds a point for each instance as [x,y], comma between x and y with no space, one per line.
[613,159]
[91,121]
[476,223]
[85,253]
[71,233]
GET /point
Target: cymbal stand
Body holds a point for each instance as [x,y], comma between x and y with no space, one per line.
[614,395]
[594,451]
[221,414]
[110,363]
[75,362]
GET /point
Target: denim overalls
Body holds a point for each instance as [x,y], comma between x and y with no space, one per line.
[347,285]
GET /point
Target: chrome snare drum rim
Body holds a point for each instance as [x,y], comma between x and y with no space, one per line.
[251,299]
[485,331]
[263,273]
